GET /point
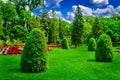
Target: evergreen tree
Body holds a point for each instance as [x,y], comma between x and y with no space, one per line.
[61,29]
[77,31]
[53,14]
[53,31]
[104,49]
[34,56]
[97,29]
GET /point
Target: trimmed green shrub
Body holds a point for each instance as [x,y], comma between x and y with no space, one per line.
[104,49]
[65,44]
[92,44]
[34,56]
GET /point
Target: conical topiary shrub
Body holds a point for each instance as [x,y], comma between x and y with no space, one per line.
[34,56]
[104,49]
[92,44]
[65,44]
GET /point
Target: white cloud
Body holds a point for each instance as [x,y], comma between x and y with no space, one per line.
[45,3]
[58,2]
[54,3]
[59,15]
[100,2]
[106,11]
[27,8]
[118,10]
[70,16]
[5,1]
[85,11]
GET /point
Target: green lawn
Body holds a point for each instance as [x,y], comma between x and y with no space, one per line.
[71,64]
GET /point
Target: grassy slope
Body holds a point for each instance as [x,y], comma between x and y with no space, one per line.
[72,64]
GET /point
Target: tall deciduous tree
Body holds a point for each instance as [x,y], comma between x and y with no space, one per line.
[25,18]
[77,31]
[97,29]
[45,21]
[8,11]
[30,4]
[1,4]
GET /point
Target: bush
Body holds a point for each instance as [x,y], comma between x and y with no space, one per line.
[92,44]
[1,42]
[104,49]
[34,56]
[65,44]
[17,32]
[1,32]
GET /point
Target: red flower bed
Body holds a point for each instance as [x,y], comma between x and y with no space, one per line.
[14,50]
[2,47]
[20,45]
[55,45]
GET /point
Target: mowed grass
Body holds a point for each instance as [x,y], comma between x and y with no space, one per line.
[71,64]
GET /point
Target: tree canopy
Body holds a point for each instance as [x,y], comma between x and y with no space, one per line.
[77,31]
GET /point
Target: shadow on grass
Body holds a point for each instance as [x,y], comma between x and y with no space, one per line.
[91,60]
[16,70]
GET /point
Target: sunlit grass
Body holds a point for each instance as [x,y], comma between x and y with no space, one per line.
[71,64]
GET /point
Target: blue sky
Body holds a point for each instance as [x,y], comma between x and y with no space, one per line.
[65,9]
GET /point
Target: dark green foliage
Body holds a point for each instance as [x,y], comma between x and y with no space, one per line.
[53,31]
[34,57]
[1,32]
[92,44]
[65,44]
[77,31]
[97,29]
[64,29]
[112,28]
[8,11]
[104,49]
[17,32]
[45,21]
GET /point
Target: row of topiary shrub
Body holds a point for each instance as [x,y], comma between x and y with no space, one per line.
[103,49]
[34,56]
